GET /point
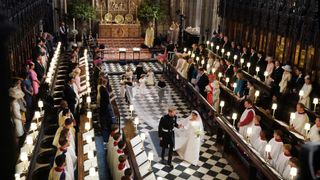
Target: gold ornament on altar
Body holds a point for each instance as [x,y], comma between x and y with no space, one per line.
[108,17]
[129,18]
[119,19]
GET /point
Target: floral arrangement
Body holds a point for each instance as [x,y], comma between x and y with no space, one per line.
[199,132]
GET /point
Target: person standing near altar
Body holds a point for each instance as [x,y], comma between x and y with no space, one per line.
[149,38]
[166,133]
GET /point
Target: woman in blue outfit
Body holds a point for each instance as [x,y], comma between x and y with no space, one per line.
[239,90]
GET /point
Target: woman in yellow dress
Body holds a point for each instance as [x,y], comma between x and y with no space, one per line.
[149,38]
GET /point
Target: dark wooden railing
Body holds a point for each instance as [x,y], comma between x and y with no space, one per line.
[222,125]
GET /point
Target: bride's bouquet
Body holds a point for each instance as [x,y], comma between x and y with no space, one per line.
[199,132]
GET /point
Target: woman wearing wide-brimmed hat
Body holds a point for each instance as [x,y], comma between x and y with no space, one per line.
[286,77]
[16,117]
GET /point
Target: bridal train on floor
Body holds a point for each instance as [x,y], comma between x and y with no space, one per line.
[188,139]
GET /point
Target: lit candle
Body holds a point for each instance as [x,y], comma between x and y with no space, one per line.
[222,51]
[221,105]
[315,102]
[256,94]
[248,65]
[89,115]
[89,90]
[301,93]
[213,70]
[234,118]
[307,128]
[40,105]
[241,61]
[268,149]
[131,109]
[208,67]
[235,57]
[293,172]
[208,42]
[189,52]
[211,44]
[87,126]
[217,48]
[234,86]
[88,99]
[219,75]
[274,107]
[37,116]
[265,74]
[228,54]
[202,62]
[197,58]
[193,55]
[185,50]
[227,80]
[257,70]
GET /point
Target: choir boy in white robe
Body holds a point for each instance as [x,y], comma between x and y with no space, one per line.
[119,152]
[293,162]
[121,167]
[283,159]
[301,118]
[59,172]
[68,124]
[66,113]
[314,134]
[246,119]
[113,148]
[256,129]
[128,175]
[260,143]
[71,158]
[276,145]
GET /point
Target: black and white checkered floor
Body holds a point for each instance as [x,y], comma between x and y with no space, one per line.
[211,165]
[117,68]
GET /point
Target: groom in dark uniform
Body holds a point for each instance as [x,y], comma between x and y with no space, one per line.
[166,133]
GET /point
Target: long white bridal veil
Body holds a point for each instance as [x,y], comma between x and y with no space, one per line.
[199,119]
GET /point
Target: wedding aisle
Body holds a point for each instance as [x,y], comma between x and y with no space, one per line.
[146,107]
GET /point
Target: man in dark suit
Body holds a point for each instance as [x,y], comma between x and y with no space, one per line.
[69,94]
[203,52]
[253,61]
[195,49]
[39,68]
[244,55]
[276,76]
[166,133]
[226,44]
[262,64]
[229,71]
[298,81]
[37,50]
[202,82]
[105,116]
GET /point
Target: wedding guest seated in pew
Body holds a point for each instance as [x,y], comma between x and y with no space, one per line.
[117,154]
[283,160]
[122,165]
[293,162]
[71,158]
[301,118]
[59,172]
[260,143]
[256,129]
[68,124]
[246,119]
[276,145]
[128,175]
[314,134]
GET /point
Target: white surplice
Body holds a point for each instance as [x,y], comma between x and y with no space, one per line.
[71,160]
[243,129]
[276,149]
[299,121]
[71,138]
[188,139]
[260,145]
[314,134]
[286,173]
[55,175]
[256,129]
[305,99]
[281,163]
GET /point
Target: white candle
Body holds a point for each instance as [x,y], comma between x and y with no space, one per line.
[197,58]
[265,74]
[227,80]
[184,49]
[301,93]
[213,70]
[189,52]
[248,64]
[222,51]
[307,127]
[217,48]
[89,115]
[208,42]
[293,172]
[256,94]
[234,118]
[87,126]
[74,23]
[222,103]
[211,44]
[315,102]
[228,54]
[136,121]
[193,55]
[37,116]
[235,57]
[257,70]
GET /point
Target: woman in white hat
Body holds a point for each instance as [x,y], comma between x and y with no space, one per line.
[286,78]
[16,117]
[306,89]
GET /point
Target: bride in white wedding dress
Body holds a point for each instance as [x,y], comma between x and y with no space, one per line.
[188,139]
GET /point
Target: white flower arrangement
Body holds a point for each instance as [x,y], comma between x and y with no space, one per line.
[199,132]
